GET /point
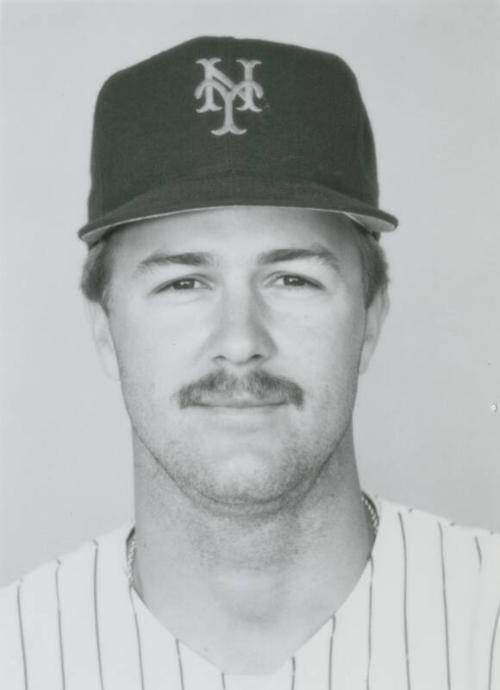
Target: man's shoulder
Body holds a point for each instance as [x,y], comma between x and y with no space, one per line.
[427,517]
[423,522]
[55,606]
[78,565]
[442,580]
[452,548]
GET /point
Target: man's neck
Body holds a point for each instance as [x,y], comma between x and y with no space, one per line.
[246,589]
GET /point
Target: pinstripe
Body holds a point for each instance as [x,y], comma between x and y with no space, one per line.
[96,614]
[445,606]
[21,635]
[492,649]
[405,601]
[479,552]
[330,653]
[370,616]
[138,637]
[179,659]
[293,673]
[59,627]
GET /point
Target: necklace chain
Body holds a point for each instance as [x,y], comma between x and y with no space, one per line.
[372,511]
[130,557]
[366,500]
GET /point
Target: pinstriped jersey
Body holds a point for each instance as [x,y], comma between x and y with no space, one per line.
[424,615]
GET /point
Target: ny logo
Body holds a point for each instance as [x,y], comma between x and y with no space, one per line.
[216,82]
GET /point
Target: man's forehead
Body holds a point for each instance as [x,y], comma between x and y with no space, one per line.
[236,229]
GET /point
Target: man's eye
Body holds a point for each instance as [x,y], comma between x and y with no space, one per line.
[295,281]
[181,284]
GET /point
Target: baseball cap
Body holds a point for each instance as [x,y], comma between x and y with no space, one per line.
[223,121]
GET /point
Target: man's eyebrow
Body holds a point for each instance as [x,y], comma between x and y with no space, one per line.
[273,256]
[158,258]
[316,251]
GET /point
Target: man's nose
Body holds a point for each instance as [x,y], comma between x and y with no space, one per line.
[241,332]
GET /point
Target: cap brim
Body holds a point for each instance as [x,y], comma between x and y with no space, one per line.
[202,194]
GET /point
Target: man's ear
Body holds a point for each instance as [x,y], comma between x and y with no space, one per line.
[375,316]
[103,339]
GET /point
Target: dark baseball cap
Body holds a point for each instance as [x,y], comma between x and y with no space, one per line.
[221,121]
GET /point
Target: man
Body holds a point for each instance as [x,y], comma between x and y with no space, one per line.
[238,290]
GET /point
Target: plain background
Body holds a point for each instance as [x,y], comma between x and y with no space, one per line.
[427,431]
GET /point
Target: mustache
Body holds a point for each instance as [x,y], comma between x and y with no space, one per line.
[258,384]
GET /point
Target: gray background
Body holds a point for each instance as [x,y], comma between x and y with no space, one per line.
[427,433]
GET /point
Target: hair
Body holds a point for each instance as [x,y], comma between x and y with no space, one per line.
[97,268]
[374,267]
[96,273]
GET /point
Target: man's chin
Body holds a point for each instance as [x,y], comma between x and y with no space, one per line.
[250,504]
[247,487]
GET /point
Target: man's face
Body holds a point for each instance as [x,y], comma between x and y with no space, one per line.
[238,334]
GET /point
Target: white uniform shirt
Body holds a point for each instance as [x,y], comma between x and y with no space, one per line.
[424,615]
